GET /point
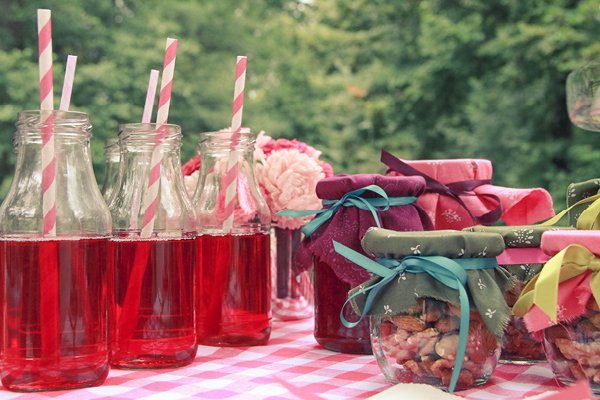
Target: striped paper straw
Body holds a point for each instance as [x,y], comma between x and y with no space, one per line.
[65,97]
[48,271]
[162,115]
[230,181]
[46,105]
[146,118]
[150,95]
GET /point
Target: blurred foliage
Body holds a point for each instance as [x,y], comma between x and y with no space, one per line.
[423,79]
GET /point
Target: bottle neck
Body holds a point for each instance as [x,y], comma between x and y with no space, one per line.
[80,208]
[147,147]
[228,161]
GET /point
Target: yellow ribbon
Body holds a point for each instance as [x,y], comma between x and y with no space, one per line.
[589,218]
[542,290]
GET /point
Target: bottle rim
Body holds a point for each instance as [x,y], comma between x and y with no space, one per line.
[222,138]
[73,124]
[149,133]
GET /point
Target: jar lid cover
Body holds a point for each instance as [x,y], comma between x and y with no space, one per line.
[555,241]
[452,244]
[519,236]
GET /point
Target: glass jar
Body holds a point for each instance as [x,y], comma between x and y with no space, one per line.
[54,286]
[420,347]
[573,349]
[330,295]
[153,314]
[519,346]
[233,277]
[112,155]
[292,297]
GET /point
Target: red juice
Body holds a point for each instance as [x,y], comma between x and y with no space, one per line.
[55,312]
[330,295]
[234,290]
[153,324]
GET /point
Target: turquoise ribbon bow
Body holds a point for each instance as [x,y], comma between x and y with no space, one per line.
[450,272]
[350,199]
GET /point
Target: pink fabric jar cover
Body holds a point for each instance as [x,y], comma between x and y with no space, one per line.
[573,294]
[518,206]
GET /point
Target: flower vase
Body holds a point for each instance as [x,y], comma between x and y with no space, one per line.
[292,292]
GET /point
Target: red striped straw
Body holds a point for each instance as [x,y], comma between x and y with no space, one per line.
[146,118]
[162,115]
[49,290]
[65,97]
[230,181]
[46,105]
[150,95]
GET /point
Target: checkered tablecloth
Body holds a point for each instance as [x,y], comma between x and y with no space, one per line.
[292,366]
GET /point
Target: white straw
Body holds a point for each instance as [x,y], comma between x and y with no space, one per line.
[150,95]
[65,99]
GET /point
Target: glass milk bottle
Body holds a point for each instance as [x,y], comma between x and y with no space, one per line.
[233,277]
[153,314]
[54,281]
[112,156]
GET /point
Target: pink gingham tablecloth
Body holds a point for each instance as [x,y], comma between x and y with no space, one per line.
[292,366]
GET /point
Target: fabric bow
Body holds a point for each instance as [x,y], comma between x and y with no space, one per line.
[542,290]
[351,199]
[453,190]
[449,272]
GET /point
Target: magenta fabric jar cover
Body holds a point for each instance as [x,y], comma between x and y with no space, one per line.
[518,206]
[349,224]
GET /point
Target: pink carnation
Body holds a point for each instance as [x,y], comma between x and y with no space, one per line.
[288,178]
[191,166]
[281,144]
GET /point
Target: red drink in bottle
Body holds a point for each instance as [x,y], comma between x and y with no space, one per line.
[233,302]
[80,357]
[153,324]
[155,328]
[234,262]
[56,271]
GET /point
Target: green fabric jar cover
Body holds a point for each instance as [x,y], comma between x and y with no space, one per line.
[520,237]
[485,287]
[578,191]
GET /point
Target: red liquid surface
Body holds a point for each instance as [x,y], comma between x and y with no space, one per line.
[153,324]
[234,290]
[54,294]
[330,295]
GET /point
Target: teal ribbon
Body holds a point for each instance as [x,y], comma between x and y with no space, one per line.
[450,272]
[351,199]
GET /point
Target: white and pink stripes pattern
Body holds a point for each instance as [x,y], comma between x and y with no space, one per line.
[164,101]
[230,181]
[47,120]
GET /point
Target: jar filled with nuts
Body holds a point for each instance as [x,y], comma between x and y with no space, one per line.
[523,259]
[561,306]
[435,304]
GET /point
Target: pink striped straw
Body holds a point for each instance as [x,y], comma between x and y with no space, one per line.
[65,97]
[230,181]
[46,105]
[150,95]
[162,115]
[146,118]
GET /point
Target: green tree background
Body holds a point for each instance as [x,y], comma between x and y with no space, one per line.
[421,78]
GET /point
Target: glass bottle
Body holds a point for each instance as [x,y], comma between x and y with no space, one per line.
[54,287]
[233,279]
[112,155]
[153,315]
